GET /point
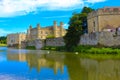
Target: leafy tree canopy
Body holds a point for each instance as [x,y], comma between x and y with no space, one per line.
[77,26]
[3,40]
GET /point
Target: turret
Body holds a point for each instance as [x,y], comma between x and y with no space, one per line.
[28,34]
[55,25]
[38,26]
[55,28]
[30,27]
[61,29]
[38,30]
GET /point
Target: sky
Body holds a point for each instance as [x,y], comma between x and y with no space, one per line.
[17,15]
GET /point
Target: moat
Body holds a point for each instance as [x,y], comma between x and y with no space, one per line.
[50,65]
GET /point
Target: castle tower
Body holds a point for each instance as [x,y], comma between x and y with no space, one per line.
[38,30]
[29,32]
[30,27]
[55,28]
[61,29]
[38,26]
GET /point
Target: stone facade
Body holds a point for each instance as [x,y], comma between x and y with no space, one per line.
[55,42]
[102,38]
[42,33]
[104,19]
[38,43]
[35,36]
[15,39]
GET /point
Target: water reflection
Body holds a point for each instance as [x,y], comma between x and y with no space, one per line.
[41,61]
[91,69]
[60,66]
[101,70]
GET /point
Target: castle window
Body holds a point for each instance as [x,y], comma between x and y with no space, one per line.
[94,26]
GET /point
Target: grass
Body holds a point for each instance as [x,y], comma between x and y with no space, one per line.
[92,52]
[96,50]
[100,56]
[2,45]
[54,48]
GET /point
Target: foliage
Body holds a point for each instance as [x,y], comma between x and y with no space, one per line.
[3,40]
[31,47]
[96,50]
[50,36]
[54,48]
[77,26]
[3,45]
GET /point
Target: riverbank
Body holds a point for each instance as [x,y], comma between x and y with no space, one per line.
[86,49]
[2,45]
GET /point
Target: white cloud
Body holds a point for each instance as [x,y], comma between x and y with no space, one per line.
[95,1]
[10,8]
[66,26]
[3,32]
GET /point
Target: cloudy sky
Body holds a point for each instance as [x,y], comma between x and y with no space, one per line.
[17,15]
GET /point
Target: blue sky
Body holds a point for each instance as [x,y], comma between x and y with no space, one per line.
[17,15]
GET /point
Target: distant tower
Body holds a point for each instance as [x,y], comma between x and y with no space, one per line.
[38,30]
[61,29]
[29,32]
[30,27]
[55,28]
[38,26]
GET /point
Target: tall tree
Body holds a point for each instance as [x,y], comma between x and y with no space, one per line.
[3,40]
[77,26]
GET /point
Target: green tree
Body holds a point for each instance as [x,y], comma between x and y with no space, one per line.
[77,26]
[3,39]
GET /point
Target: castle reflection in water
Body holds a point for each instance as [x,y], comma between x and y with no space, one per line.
[78,68]
[36,60]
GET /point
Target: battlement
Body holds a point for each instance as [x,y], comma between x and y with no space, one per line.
[105,11]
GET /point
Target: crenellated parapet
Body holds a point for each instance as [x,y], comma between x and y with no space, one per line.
[105,11]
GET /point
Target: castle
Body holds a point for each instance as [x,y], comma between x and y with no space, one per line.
[104,19]
[15,39]
[43,33]
[103,28]
[36,33]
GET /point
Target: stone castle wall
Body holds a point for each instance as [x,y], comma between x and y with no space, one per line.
[102,38]
[55,42]
[102,18]
[89,39]
[37,43]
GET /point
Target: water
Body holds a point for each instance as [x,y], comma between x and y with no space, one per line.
[46,65]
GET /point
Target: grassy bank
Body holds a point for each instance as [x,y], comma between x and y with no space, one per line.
[54,48]
[86,49]
[96,50]
[2,45]
[99,56]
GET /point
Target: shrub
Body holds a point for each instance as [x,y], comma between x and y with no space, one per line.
[31,47]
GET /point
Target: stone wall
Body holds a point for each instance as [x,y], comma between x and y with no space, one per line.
[103,38]
[55,42]
[89,39]
[102,18]
[37,43]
